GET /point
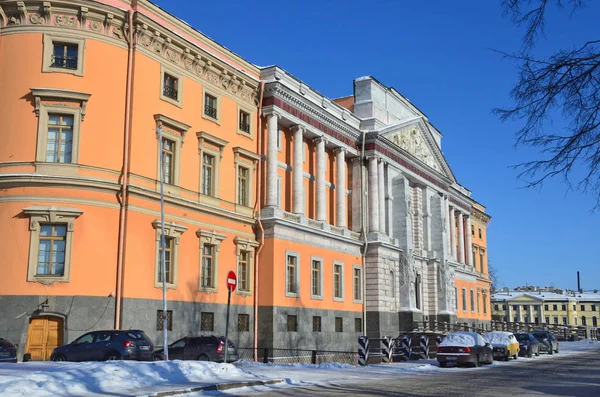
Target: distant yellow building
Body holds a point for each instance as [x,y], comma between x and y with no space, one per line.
[544,307]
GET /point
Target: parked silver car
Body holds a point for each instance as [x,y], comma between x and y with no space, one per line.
[202,348]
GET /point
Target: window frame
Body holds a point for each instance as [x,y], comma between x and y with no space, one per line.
[297,274]
[207,91]
[243,158]
[464,299]
[49,40]
[249,246]
[320,261]
[166,70]
[174,131]
[174,231]
[213,146]
[251,117]
[208,315]
[341,297]
[247,323]
[39,215]
[212,238]
[360,283]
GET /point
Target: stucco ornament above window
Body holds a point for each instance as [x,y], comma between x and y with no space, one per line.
[55,94]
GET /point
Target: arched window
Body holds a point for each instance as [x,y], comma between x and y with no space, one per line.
[594,322]
[583,320]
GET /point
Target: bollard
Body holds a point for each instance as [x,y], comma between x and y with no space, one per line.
[386,349]
[313,358]
[266,356]
[406,346]
[424,347]
[363,350]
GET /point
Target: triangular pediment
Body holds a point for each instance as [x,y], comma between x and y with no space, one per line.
[414,137]
[526,298]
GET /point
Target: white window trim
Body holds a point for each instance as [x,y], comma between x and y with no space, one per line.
[172,72]
[204,137]
[279,195]
[320,260]
[297,293]
[174,131]
[249,246]
[174,231]
[472,297]
[210,92]
[252,117]
[280,136]
[249,160]
[342,289]
[465,306]
[215,239]
[361,281]
[48,50]
[50,215]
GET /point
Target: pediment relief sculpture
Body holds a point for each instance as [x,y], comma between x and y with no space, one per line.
[411,139]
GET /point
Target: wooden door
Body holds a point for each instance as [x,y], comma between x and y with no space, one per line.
[43,336]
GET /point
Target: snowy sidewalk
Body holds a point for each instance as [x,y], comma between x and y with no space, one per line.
[126,378]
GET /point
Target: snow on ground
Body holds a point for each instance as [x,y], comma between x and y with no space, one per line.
[146,378]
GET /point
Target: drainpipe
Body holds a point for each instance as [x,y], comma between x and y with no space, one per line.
[365,195]
[257,214]
[125,175]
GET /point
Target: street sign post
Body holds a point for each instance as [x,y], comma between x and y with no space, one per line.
[231,284]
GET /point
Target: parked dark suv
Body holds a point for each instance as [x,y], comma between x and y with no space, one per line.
[8,351]
[106,345]
[203,348]
[548,342]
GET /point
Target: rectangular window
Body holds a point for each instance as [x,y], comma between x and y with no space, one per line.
[484,303]
[244,271]
[474,260]
[555,307]
[316,278]
[208,164]
[316,323]
[207,321]
[65,55]
[51,253]
[168,260]
[496,307]
[357,282]
[168,156]
[59,145]
[503,307]
[555,320]
[481,261]
[472,230]
[244,121]
[337,281]
[170,85]
[455,299]
[292,323]
[564,308]
[480,233]
[547,320]
[515,320]
[210,106]
[574,307]
[472,300]
[582,308]
[339,324]
[515,307]
[593,308]
[208,263]
[464,300]
[243,177]
[564,320]
[545,307]
[160,320]
[357,324]
[524,307]
[243,322]
[291,274]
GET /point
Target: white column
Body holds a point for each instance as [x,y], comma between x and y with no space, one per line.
[272,131]
[357,194]
[298,172]
[373,195]
[320,179]
[340,187]
[469,242]
[381,192]
[453,233]
[447,226]
[461,238]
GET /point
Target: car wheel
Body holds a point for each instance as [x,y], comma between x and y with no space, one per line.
[476,363]
[530,352]
[203,357]
[556,351]
[507,357]
[113,356]
[550,351]
[157,358]
[516,355]
[537,352]
[443,364]
[491,359]
[59,357]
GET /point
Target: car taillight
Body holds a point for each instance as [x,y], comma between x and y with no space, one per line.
[467,349]
[128,343]
[220,347]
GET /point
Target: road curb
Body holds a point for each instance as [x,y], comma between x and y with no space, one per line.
[217,386]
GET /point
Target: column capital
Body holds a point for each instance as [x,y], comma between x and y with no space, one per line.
[372,157]
[298,127]
[320,138]
[272,113]
[356,159]
[340,149]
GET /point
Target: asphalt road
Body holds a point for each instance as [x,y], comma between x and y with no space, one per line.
[576,375]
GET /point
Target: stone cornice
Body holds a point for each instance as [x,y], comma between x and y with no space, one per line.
[480,216]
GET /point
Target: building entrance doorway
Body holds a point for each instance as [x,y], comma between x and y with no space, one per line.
[44,335]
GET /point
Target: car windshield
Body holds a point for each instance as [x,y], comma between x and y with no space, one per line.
[522,337]
[540,335]
[5,343]
[136,335]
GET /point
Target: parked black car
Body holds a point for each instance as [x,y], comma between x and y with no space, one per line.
[8,351]
[202,348]
[464,348]
[528,344]
[106,345]
[548,342]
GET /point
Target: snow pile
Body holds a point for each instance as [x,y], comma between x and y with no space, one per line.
[499,338]
[458,339]
[89,378]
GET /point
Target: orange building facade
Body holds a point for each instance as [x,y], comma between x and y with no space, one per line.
[336,215]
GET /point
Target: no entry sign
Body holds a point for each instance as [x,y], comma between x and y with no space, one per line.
[231,281]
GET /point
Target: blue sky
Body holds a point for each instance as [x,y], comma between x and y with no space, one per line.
[437,54]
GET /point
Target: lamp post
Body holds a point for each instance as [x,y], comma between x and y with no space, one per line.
[162,241]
